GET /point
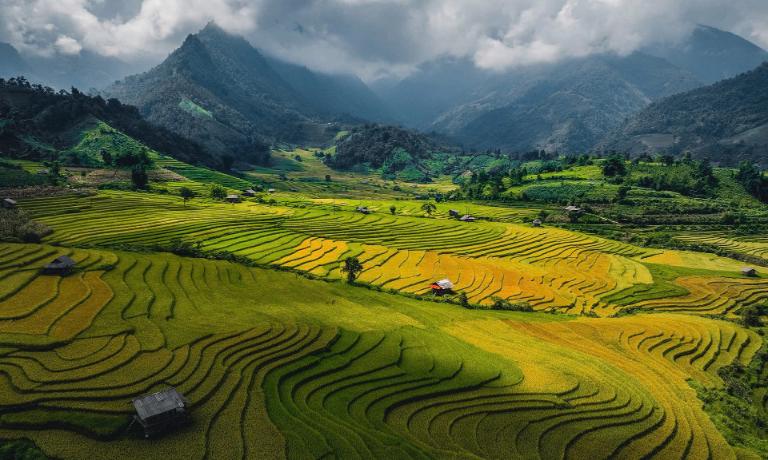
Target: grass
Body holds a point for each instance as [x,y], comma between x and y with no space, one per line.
[330,369]
[276,364]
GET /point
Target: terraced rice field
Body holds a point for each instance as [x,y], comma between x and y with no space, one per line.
[277,366]
[753,245]
[549,268]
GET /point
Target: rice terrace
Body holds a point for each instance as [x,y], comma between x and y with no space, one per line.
[231,255]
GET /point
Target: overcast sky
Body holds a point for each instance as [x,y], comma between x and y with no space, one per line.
[373,38]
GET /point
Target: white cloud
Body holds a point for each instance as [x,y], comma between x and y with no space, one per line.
[375,37]
[67,45]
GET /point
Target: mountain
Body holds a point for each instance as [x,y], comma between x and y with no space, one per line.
[712,54]
[84,70]
[219,90]
[39,123]
[567,106]
[726,122]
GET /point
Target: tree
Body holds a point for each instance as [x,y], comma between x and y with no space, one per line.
[186,194]
[139,176]
[352,267]
[218,192]
[428,208]
[392,209]
[106,157]
[614,166]
[463,299]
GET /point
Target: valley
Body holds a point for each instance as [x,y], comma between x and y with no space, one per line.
[266,232]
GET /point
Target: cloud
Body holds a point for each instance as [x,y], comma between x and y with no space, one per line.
[67,45]
[376,37]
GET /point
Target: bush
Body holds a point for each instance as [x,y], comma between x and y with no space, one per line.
[506,305]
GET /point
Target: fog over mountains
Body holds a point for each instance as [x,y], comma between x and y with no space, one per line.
[567,106]
[222,91]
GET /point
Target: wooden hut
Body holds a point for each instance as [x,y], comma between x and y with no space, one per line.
[467,218]
[442,287]
[454,213]
[9,203]
[62,265]
[748,271]
[249,192]
[363,210]
[536,222]
[233,198]
[160,412]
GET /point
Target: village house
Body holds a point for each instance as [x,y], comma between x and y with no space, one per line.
[467,218]
[160,412]
[572,208]
[233,198]
[536,222]
[62,265]
[363,209]
[442,287]
[748,271]
[453,213]
[249,192]
[9,203]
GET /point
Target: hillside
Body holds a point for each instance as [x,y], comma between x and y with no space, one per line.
[712,54]
[40,124]
[568,106]
[395,152]
[220,91]
[726,122]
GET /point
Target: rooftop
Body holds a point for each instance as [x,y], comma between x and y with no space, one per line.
[158,403]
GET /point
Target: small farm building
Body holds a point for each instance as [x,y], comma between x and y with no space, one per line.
[572,208]
[160,412]
[233,198]
[62,265]
[536,222]
[467,218]
[453,213]
[43,172]
[9,203]
[748,271]
[271,190]
[363,209]
[249,192]
[441,287]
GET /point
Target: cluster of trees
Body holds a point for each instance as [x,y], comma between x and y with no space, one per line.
[395,151]
[490,182]
[753,180]
[31,110]
[685,176]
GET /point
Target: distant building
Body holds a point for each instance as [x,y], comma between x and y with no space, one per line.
[43,172]
[233,198]
[454,213]
[442,287]
[271,190]
[467,218]
[62,265]
[9,203]
[161,411]
[536,223]
[748,271]
[572,208]
[249,192]
[363,210]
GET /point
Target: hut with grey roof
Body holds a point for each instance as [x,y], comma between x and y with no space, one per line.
[62,265]
[160,412]
[9,203]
